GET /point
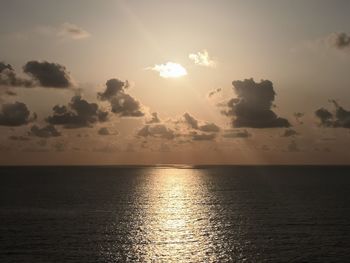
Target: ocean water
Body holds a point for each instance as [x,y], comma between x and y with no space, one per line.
[175,214]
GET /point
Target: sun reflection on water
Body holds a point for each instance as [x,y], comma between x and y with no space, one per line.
[167,215]
[177,222]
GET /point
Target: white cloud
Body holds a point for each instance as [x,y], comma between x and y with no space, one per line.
[202,59]
[170,70]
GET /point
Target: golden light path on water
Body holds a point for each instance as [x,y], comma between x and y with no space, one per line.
[177,221]
[173,215]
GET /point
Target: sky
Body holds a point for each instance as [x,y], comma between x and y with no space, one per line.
[174,82]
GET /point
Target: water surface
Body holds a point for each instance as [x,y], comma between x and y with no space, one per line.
[175,214]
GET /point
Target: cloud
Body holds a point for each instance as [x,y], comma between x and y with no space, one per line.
[191,121]
[203,136]
[9,78]
[325,117]
[126,106]
[185,127]
[236,134]
[73,31]
[202,59]
[341,117]
[15,114]
[4,66]
[289,133]
[48,74]
[43,74]
[62,31]
[209,127]
[44,132]
[121,103]
[113,87]
[339,40]
[154,119]
[170,70]
[156,131]
[194,124]
[252,107]
[214,92]
[78,113]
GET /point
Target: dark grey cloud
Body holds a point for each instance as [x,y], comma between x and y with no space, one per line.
[253,105]
[125,105]
[156,131]
[4,66]
[325,116]
[289,133]
[340,40]
[9,78]
[122,103]
[203,136]
[194,124]
[113,87]
[15,114]
[48,74]
[236,134]
[154,119]
[340,118]
[44,132]
[78,113]
[43,74]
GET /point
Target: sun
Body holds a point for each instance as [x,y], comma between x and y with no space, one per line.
[170,70]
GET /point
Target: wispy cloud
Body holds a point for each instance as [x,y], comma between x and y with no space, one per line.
[63,31]
[73,31]
[202,59]
[214,92]
[339,40]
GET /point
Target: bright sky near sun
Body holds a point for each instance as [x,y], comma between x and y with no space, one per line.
[155,81]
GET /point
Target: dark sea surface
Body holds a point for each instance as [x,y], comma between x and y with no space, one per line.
[175,214]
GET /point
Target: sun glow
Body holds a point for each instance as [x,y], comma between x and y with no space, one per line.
[170,70]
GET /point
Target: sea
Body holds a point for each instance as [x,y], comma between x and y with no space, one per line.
[175,214]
